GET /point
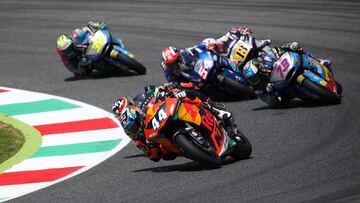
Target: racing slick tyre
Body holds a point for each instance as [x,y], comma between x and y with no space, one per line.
[338,87]
[132,64]
[196,153]
[323,94]
[234,86]
[243,148]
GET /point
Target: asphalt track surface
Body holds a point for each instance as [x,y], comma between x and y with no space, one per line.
[300,153]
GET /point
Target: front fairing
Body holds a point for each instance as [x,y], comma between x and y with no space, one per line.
[98,45]
[204,65]
[284,70]
[157,115]
[241,50]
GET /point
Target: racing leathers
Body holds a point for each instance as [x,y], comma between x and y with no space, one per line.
[153,94]
[223,43]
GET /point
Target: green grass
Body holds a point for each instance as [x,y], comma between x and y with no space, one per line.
[11,140]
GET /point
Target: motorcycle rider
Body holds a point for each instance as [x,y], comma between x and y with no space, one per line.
[131,114]
[178,65]
[259,76]
[71,48]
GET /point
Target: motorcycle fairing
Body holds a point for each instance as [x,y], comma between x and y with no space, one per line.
[313,68]
[114,61]
[157,116]
[283,67]
[98,45]
[123,51]
[240,49]
[204,65]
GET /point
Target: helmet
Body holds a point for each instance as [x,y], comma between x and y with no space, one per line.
[170,56]
[208,41]
[252,73]
[65,43]
[79,36]
[129,115]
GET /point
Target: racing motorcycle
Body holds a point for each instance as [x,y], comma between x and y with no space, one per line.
[218,78]
[302,76]
[107,53]
[194,132]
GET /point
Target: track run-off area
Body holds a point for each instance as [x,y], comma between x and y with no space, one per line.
[66,139]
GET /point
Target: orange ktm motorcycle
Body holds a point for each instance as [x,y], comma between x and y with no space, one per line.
[192,131]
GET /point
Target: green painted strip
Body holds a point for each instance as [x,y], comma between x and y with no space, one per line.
[81,148]
[36,107]
[31,145]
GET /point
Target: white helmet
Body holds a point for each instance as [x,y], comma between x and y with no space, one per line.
[207,41]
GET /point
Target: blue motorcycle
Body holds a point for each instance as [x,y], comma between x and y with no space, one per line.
[221,76]
[106,53]
[302,76]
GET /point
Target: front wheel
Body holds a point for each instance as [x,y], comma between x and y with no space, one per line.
[132,63]
[338,87]
[196,153]
[243,148]
[323,94]
[243,90]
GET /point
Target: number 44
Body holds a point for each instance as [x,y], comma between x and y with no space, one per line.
[161,116]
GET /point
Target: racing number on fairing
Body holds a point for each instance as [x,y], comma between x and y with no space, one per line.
[204,69]
[282,67]
[162,115]
[240,52]
[98,42]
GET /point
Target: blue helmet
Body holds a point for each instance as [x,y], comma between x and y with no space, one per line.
[187,60]
[129,115]
[252,74]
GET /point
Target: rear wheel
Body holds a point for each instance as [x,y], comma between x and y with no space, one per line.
[196,153]
[241,89]
[132,63]
[243,148]
[323,94]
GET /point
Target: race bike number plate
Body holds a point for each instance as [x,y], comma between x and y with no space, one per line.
[203,67]
[282,68]
[97,43]
[240,51]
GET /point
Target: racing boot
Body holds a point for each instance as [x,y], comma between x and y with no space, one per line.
[231,127]
[216,105]
[217,109]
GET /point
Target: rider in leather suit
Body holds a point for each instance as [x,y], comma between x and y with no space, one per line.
[71,48]
[125,107]
[259,78]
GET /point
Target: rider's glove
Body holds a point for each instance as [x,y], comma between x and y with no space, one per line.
[84,62]
[270,88]
[211,46]
[102,25]
[244,31]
